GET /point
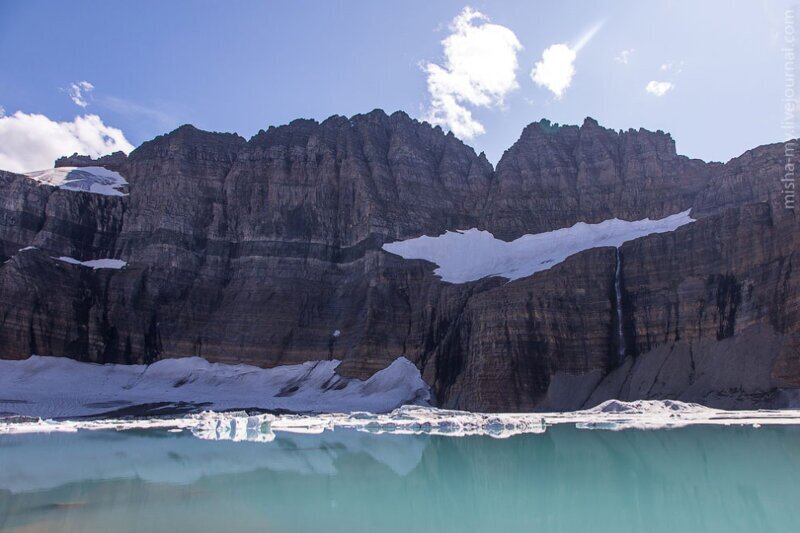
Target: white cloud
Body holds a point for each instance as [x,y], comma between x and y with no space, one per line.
[78,91]
[557,67]
[624,56]
[659,88]
[480,68]
[32,142]
[2,111]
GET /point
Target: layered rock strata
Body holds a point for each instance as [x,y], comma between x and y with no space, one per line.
[268,251]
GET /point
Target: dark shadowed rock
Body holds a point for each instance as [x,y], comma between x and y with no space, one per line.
[555,176]
[113,161]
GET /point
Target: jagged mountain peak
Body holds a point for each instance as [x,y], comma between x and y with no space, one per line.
[269,251]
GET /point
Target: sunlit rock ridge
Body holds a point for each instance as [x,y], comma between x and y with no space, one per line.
[270,252]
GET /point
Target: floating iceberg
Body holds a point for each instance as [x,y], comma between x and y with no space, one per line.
[418,420]
[236,427]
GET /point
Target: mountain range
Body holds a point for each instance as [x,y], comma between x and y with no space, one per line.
[293,246]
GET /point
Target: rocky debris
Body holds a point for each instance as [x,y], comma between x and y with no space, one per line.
[257,251]
[113,161]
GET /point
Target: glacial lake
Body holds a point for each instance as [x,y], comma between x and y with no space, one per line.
[698,478]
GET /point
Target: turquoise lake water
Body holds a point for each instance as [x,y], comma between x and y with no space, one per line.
[568,480]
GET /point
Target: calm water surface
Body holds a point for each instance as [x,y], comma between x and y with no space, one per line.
[694,479]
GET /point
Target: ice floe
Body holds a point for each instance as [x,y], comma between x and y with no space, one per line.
[53,387]
[97,180]
[472,254]
[115,264]
[419,420]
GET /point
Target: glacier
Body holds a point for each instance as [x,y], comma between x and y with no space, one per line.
[96,180]
[469,255]
[53,387]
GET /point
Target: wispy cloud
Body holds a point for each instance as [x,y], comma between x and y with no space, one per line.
[624,56]
[587,36]
[480,69]
[78,91]
[33,141]
[557,66]
[659,88]
[674,67]
[160,119]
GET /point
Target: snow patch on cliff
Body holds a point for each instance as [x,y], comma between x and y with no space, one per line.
[97,180]
[59,387]
[468,255]
[115,264]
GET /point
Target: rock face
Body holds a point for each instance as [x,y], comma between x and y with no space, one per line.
[260,251]
[555,176]
[113,161]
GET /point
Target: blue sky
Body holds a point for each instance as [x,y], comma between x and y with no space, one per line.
[715,69]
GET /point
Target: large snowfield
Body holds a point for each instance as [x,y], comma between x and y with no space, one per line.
[61,387]
[97,180]
[113,264]
[468,255]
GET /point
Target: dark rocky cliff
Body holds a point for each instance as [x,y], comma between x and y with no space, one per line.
[555,176]
[258,251]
